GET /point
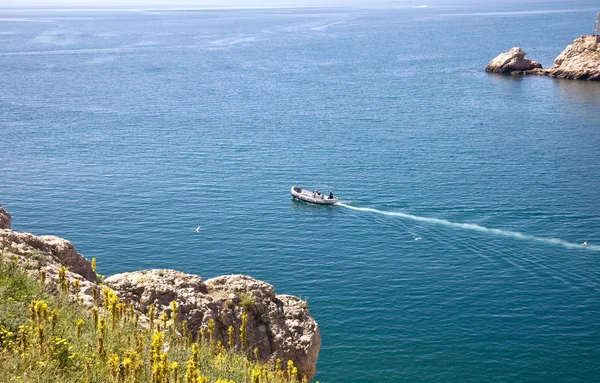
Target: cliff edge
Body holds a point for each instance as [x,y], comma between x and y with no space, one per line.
[579,61]
[5,219]
[279,326]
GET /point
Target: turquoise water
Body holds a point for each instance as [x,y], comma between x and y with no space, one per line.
[125,130]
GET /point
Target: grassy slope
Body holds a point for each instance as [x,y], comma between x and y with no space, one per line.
[48,338]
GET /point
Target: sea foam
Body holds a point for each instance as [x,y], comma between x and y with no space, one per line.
[475,227]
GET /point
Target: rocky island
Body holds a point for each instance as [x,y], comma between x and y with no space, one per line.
[278,327]
[579,61]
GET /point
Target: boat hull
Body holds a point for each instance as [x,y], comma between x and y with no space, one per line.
[307,196]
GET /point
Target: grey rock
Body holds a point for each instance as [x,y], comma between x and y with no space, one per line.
[50,251]
[511,61]
[579,61]
[5,219]
[280,326]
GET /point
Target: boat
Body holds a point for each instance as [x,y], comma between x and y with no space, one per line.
[312,197]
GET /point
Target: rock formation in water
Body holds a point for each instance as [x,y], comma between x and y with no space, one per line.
[280,326]
[579,61]
[513,60]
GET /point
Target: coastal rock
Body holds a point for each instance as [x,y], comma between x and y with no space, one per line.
[46,255]
[51,252]
[280,326]
[579,61]
[291,332]
[5,219]
[158,287]
[511,61]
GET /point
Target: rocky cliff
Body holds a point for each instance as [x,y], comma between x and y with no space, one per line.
[4,219]
[280,326]
[579,61]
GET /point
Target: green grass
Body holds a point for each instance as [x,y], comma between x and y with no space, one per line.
[247,301]
[35,347]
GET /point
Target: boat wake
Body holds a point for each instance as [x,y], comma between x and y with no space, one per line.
[475,227]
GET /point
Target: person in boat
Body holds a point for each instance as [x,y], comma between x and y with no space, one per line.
[330,195]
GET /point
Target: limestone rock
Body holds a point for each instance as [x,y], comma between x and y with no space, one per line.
[5,219]
[511,61]
[46,254]
[159,287]
[280,326]
[52,252]
[579,61]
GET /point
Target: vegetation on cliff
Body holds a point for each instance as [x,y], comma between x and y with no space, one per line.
[48,336]
[276,326]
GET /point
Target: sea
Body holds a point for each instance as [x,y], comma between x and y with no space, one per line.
[456,254]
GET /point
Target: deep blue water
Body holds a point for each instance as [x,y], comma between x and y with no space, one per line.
[125,130]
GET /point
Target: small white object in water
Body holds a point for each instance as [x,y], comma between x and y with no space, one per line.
[415,237]
[198,229]
[584,243]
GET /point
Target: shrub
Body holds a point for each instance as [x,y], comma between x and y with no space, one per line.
[47,338]
[247,301]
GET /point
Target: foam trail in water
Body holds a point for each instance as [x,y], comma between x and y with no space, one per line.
[475,227]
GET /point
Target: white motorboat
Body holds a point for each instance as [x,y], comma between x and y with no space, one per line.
[312,197]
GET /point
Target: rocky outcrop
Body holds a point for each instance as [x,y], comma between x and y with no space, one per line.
[45,255]
[279,326]
[4,219]
[511,61]
[579,61]
[49,251]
